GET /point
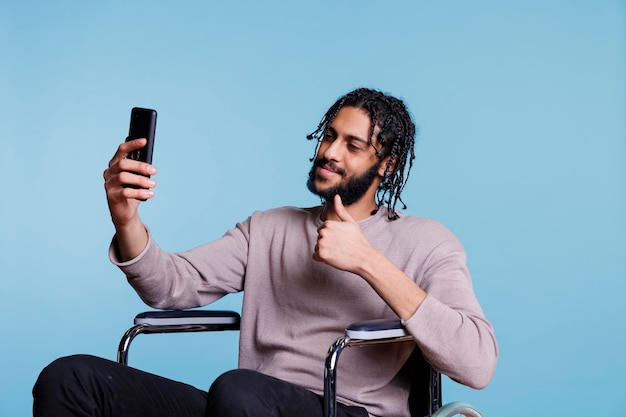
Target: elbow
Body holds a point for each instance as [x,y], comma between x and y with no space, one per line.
[481,380]
[158,300]
[156,304]
[478,377]
[484,362]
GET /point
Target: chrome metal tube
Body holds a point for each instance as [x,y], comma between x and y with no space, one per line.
[330,376]
[122,350]
[330,369]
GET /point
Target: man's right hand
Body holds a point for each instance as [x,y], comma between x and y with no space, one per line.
[124,200]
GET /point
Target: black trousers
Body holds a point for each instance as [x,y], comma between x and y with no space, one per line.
[82,386]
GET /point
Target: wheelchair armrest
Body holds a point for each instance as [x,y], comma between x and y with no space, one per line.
[177,321]
[188,317]
[376,329]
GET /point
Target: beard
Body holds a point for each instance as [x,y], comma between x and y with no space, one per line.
[351,191]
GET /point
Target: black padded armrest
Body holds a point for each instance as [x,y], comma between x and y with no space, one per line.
[188,317]
[177,321]
[376,329]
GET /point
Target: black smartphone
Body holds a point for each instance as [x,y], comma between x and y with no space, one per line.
[142,125]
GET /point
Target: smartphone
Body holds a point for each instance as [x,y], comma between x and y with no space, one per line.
[142,125]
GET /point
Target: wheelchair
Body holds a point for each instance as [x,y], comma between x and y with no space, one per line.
[425,399]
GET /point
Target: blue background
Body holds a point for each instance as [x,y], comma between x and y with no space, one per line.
[521,153]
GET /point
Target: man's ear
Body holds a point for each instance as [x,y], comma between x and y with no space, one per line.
[383,166]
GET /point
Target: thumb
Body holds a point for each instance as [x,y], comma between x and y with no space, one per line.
[341,211]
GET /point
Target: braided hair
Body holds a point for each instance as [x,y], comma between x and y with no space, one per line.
[396,138]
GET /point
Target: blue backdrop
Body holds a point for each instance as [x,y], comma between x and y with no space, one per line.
[521,153]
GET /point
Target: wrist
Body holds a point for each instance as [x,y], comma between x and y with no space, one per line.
[132,238]
[370,260]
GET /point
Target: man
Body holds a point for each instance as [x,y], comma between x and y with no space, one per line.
[306,274]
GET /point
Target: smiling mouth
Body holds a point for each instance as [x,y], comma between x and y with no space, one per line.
[328,168]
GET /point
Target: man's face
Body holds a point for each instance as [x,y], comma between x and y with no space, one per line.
[346,163]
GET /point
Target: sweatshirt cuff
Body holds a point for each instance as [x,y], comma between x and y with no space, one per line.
[114,255]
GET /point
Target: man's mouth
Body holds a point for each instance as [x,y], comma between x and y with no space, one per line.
[329,168]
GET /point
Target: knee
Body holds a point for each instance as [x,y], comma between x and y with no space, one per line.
[59,369]
[61,372]
[232,383]
[55,381]
[234,389]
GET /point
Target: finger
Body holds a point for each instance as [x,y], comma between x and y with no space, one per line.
[134,144]
[131,145]
[316,254]
[341,210]
[137,167]
[140,194]
[126,147]
[135,180]
[129,192]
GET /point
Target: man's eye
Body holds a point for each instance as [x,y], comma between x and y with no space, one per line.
[328,137]
[354,147]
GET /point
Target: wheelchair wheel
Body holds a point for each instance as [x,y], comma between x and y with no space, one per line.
[457,409]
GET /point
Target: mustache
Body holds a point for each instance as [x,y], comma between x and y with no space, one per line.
[325,163]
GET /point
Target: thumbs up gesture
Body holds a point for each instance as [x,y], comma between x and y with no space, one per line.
[341,243]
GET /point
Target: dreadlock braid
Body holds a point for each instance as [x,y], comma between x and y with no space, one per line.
[396,137]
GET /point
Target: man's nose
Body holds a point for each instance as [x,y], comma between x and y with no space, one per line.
[333,151]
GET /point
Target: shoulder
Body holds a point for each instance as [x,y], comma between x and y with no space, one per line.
[410,228]
[412,222]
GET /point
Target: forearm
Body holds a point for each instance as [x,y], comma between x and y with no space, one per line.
[399,291]
[131,239]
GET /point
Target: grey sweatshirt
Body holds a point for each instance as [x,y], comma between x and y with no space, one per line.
[294,307]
